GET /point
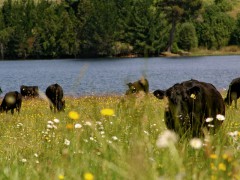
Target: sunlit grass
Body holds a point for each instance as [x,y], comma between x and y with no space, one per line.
[110,137]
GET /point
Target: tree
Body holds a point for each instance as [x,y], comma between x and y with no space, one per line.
[235,36]
[178,11]
[142,27]
[97,27]
[187,37]
[215,29]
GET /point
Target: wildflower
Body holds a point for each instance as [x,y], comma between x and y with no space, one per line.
[73,115]
[114,138]
[67,142]
[210,119]
[78,126]
[50,122]
[88,123]
[24,160]
[166,138]
[196,143]
[210,125]
[213,167]
[69,126]
[213,156]
[61,177]
[37,162]
[222,167]
[227,157]
[233,134]
[220,117]
[193,96]
[56,121]
[107,112]
[19,125]
[36,155]
[49,126]
[88,176]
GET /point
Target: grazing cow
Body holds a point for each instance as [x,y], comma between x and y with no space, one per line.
[138,86]
[54,93]
[12,100]
[192,106]
[29,91]
[233,92]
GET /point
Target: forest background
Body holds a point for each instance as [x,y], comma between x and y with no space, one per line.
[33,29]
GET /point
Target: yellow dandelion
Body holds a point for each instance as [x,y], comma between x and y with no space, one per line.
[227,157]
[222,167]
[107,112]
[61,177]
[213,177]
[193,96]
[73,115]
[88,176]
[213,156]
[69,126]
[213,167]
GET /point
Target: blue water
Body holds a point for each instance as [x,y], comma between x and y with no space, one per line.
[110,76]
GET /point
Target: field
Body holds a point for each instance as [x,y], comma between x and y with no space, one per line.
[110,138]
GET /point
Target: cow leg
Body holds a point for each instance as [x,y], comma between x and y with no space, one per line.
[51,107]
[234,98]
[12,111]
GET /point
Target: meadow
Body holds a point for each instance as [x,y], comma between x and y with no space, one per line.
[104,137]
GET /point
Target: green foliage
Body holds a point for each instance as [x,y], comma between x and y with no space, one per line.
[235,37]
[178,11]
[143,28]
[187,37]
[93,28]
[215,30]
[124,146]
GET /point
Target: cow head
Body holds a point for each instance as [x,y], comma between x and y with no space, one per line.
[138,86]
[159,94]
[61,105]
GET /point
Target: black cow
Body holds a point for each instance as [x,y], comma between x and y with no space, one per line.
[29,91]
[233,92]
[54,93]
[141,85]
[192,106]
[12,100]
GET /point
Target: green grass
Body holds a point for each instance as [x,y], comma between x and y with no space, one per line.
[109,147]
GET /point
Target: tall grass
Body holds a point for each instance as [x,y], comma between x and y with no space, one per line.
[122,146]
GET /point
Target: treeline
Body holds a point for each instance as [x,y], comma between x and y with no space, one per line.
[96,28]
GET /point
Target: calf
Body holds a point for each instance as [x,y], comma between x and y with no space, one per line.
[29,91]
[11,101]
[192,106]
[54,93]
[138,86]
[233,92]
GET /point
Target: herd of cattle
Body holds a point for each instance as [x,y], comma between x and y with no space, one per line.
[192,105]
[13,100]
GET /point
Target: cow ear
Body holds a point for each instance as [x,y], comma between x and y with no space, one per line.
[193,90]
[129,84]
[159,94]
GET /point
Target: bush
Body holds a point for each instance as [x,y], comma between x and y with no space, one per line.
[187,38]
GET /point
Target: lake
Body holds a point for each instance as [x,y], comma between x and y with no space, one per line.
[109,76]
